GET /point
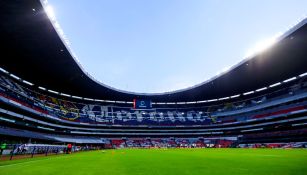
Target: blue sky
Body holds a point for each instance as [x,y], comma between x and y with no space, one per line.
[164,45]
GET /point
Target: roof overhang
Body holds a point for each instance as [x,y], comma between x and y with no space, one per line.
[32,49]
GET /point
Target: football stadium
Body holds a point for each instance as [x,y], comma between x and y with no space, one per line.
[55,118]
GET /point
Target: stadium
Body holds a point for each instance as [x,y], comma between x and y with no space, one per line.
[56,118]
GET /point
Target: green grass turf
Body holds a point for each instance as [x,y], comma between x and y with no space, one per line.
[165,162]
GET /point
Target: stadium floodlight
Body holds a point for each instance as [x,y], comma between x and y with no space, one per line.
[302,75]
[89,99]
[171,103]
[261,89]
[41,88]
[191,102]
[290,79]
[66,95]
[160,103]
[109,101]
[225,98]
[55,92]
[130,102]
[3,70]
[247,93]
[204,101]
[28,83]
[276,84]
[235,96]
[181,103]
[14,76]
[77,97]
[212,100]
[120,102]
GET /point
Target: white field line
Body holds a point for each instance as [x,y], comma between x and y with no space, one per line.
[31,161]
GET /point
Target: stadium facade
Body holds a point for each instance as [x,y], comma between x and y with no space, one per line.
[46,95]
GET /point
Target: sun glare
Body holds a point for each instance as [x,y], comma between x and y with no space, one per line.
[262,45]
[50,12]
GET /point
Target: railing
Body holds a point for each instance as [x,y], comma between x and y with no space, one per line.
[18,151]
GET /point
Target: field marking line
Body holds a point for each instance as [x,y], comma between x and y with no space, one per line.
[31,161]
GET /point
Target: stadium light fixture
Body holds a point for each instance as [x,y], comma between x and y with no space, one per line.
[3,70]
[261,89]
[191,102]
[276,84]
[89,99]
[204,101]
[55,92]
[247,93]
[225,98]
[41,88]
[14,76]
[235,96]
[290,79]
[302,75]
[66,95]
[28,83]
[181,103]
[212,100]
[77,97]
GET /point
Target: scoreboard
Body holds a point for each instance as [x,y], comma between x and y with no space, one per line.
[142,104]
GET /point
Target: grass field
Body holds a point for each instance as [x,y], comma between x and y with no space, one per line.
[165,162]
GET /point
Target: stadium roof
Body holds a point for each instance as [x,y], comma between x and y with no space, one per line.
[32,49]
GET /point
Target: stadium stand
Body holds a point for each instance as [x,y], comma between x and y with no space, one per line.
[251,105]
[58,120]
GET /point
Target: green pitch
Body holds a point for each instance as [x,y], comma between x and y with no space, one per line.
[165,162]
